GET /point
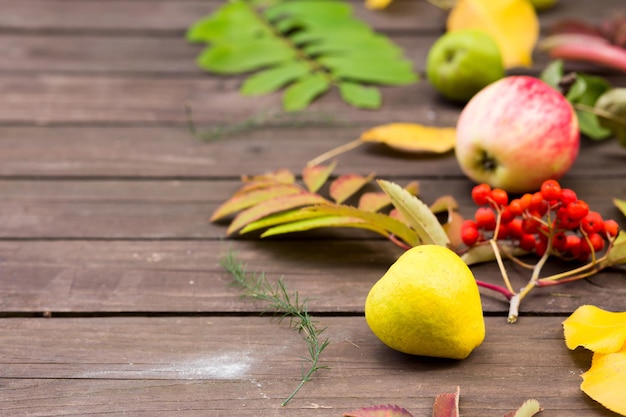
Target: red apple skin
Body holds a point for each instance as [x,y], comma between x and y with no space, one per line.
[516,133]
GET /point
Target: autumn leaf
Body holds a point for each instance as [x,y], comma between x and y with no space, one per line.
[345,186]
[417,214]
[377,4]
[241,201]
[447,404]
[411,137]
[605,381]
[512,23]
[595,329]
[315,176]
[528,409]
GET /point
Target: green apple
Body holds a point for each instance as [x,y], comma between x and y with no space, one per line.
[463,62]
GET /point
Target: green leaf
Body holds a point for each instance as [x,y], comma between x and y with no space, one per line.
[235,20]
[617,253]
[611,108]
[238,57]
[272,79]
[318,221]
[272,206]
[620,204]
[552,74]
[398,72]
[289,40]
[304,91]
[290,216]
[359,95]
[589,125]
[419,216]
[585,91]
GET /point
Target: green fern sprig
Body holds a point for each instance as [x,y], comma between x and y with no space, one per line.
[306,46]
[278,299]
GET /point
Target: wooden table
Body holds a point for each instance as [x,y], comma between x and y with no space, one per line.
[112,299]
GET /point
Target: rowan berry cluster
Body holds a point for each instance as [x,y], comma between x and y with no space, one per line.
[553,220]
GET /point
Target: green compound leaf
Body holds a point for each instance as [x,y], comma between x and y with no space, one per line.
[304,46]
[299,95]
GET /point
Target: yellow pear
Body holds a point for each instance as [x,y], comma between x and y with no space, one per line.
[427,304]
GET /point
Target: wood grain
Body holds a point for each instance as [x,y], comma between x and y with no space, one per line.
[194,366]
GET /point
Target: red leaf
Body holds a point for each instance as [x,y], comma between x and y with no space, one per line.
[447,404]
[387,410]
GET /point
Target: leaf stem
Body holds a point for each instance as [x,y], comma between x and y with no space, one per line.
[335,152]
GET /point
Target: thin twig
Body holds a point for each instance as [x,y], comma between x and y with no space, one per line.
[334,152]
[289,306]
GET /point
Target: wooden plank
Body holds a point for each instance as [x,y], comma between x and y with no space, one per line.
[212,365]
[174,16]
[165,152]
[66,277]
[120,209]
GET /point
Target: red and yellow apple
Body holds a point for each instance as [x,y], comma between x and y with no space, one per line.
[516,133]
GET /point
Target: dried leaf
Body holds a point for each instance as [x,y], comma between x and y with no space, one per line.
[528,409]
[241,201]
[595,329]
[345,186]
[274,206]
[512,23]
[416,213]
[447,404]
[605,381]
[453,229]
[387,410]
[411,137]
[315,176]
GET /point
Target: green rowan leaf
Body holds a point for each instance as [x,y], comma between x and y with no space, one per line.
[359,95]
[304,91]
[310,44]
[272,79]
[238,57]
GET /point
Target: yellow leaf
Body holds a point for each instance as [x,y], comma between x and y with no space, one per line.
[605,381]
[512,23]
[377,4]
[595,329]
[411,137]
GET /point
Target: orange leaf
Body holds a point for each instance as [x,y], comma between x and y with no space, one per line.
[513,24]
[275,205]
[605,381]
[345,186]
[595,329]
[282,175]
[314,177]
[374,201]
[411,137]
[243,200]
[447,404]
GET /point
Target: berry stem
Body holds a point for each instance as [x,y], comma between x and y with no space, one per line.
[505,276]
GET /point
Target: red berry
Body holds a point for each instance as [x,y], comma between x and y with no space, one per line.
[503,231]
[564,222]
[611,227]
[541,246]
[530,225]
[568,196]
[469,235]
[577,210]
[515,228]
[499,197]
[485,218]
[592,223]
[572,246]
[593,241]
[480,193]
[525,201]
[538,204]
[559,241]
[551,190]
[515,207]
[527,242]
[506,215]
